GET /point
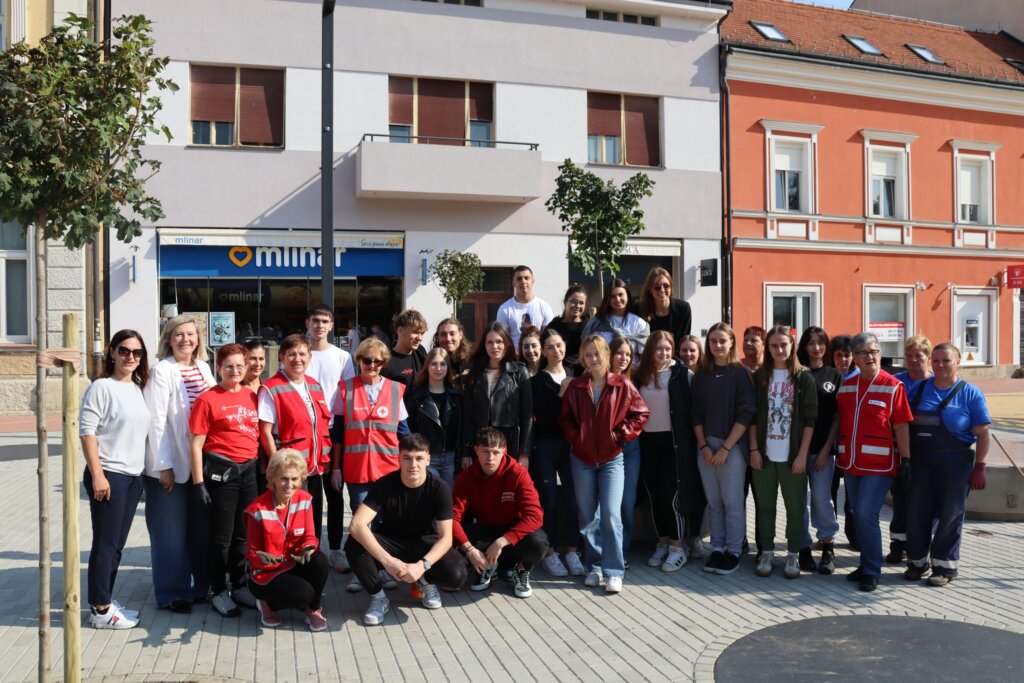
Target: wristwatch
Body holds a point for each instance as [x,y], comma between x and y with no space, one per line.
[426,564]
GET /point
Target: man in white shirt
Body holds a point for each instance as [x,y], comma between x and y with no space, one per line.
[328,365]
[524,310]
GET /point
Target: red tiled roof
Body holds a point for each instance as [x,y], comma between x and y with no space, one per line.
[818,31]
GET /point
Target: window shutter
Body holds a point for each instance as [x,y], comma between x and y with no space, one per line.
[643,135]
[400,101]
[442,110]
[788,157]
[481,102]
[883,165]
[261,107]
[213,93]
[604,115]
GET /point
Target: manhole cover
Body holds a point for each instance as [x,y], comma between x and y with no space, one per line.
[873,648]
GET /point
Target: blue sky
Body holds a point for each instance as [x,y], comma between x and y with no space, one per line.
[841,4]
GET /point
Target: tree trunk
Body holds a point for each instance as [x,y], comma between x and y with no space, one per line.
[44,500]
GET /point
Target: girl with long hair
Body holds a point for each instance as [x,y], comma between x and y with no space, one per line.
[451,336]
[614,319]
[571,322]
[435,411]
[622,364]
[660,309]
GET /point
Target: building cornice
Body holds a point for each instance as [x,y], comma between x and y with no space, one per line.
[887,136]
[866,81]
[688,10]
[868,248]
[974,146]
[771,125]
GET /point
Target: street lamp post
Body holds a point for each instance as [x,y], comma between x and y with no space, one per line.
[327,156]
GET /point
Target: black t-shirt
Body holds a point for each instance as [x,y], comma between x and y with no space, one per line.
[827,381]
[570,333]
[403,368]
[405,512]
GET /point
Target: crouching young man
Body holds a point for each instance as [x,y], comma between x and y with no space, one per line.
[411,538]
[497,516]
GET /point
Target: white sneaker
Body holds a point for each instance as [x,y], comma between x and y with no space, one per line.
[792,570]
[594,579]
[353,585]
[574,564]
[379,606]
[764,565]
[339,562]
[224,605]
[244,597]
[696,550]
[130,613]
[113,619]
[613,584]
[657,558]
[388,581]
[431,597]
[675,560]
[553,566]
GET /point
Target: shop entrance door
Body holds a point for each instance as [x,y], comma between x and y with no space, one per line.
[972,331]
[478,310]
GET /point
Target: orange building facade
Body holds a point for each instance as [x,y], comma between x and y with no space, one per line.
[866,192]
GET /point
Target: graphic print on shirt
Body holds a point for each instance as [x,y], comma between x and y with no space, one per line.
[243,418]
[780,410]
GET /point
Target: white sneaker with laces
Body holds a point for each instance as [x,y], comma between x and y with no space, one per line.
[696,550]
[657,558]
[675,560]
[388,581]
[114,619]
[339,562]
[574,564]
[224,605]
[353,585]
[130,613]
[431,596]
[613,584]
[379,606]
[764,565]
[553,566]
[792,570]
[594,579]
[244,597]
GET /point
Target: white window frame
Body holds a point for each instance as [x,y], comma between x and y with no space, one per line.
[898,145]
[993,322]
[792,133]
[909,291]
[816,290]
[26,255]
[983,154]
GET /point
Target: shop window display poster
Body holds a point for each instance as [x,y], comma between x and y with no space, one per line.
[222,328]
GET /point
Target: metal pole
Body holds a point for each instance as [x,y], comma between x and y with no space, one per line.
[327,157]
[72,582]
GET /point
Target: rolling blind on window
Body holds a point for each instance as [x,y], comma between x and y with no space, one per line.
[604,114]
[643,146]
[261,107]
[213,93]
[400,101]
[442,110]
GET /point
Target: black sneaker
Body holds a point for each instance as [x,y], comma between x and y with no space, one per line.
[728,564]
[855,575]
[868,583]
[521,582]
[915,573]
[807,563]
[827,565]
[897,552]
[713,562]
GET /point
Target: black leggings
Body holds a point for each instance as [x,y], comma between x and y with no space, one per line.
[658,474]
[227,528]
[448,573]
[301,587]
[315,485]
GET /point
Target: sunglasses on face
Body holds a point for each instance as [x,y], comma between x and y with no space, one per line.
[372,362]
[124,352]
[664,286]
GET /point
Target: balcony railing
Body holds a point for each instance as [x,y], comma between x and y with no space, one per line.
[440,140]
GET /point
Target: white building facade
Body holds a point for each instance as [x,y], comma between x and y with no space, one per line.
[450,121]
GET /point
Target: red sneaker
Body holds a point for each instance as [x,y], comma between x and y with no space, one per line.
[316,620]
[268,617]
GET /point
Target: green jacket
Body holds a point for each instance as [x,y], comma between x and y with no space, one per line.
[805,410]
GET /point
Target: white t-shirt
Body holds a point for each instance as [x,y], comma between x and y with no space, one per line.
[514,315]
[559,377]
[117,415]
[780,416]
[372,395]
[328,367]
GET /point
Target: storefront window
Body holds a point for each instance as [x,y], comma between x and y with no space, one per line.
[632,269]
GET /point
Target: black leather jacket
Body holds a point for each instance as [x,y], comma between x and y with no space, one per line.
[509,407]
[444,432]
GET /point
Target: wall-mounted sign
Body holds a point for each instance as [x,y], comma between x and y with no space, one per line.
[222,328]
[709,272]
[1015,276]
[888,332]
[178,260]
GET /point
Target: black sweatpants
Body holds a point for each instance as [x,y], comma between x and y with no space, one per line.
[301,587]
[658,474]
[315,485]
[448,573]
[227,527]
[530,549]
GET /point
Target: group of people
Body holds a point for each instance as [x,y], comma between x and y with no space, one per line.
[476,464]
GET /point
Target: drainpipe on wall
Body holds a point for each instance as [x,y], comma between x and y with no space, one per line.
[726,159]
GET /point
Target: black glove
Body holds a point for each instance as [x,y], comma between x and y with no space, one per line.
[200,495]
[905,469]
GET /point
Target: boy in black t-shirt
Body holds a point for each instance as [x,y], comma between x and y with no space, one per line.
[411,537]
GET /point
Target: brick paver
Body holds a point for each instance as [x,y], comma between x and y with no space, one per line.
[663,627]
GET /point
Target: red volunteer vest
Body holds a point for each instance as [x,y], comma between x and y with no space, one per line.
[281,540]
[371,430]
[294,429]
[866,445]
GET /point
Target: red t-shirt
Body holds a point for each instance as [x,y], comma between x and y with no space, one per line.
[229,421]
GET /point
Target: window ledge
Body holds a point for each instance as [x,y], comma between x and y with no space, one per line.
[600,165]
[12,347]
[243,148]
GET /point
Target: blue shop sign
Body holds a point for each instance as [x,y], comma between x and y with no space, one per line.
[178,260]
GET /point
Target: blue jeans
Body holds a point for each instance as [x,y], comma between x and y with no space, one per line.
[631,481]
[820,498]
[111,522]
[867,495]
[600,487]
[549,465]
[178,538]
[356,495]
[443,467]
[723,486]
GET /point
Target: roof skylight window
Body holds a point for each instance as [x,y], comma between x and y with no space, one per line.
[864,45]
[1017,64]
[770,32]
[925,54]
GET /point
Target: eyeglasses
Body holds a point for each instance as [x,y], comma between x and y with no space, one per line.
[124,352]
[233,368]
[372,362]
[869,352]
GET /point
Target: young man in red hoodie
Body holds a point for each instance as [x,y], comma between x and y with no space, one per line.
[497,516]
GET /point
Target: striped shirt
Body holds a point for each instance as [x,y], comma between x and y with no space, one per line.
[195,383]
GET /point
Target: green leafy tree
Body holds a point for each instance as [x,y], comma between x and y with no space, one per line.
[74,115]
[457,274]
[598,216]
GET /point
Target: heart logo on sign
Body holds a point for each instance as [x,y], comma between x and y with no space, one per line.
[240,256]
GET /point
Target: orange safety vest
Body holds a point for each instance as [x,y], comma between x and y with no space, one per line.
[866,444]
[371,430]
[277,538]
[294,430]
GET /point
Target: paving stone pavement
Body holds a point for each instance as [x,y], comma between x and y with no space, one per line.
[663,627]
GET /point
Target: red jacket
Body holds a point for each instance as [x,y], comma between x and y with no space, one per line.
[867,413]
[506,498]
[266,532]
[596,434]
[371,430]
[294,430]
